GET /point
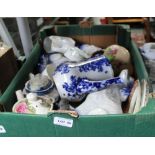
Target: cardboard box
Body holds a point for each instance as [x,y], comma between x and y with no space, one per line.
[139,124]
[8,66]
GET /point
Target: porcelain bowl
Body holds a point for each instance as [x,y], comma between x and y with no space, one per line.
[42,90]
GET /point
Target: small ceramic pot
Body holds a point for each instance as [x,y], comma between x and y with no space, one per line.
[39,84]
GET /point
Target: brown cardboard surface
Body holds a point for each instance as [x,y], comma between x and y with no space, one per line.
[8,69]
[98,40]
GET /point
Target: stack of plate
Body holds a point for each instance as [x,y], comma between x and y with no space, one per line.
[138,96]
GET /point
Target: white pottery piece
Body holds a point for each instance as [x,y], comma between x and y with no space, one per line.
[89,49]
[75,54]
[119,57]
[39,84]
[135,98]
[37,105]
[57,58]
[19,95]
[49,92]
[97,68]
[48,71]
[144,93]
[118,53]
[53,94]
[21,107]
[57,44]
[148,50]
[32,105]
[138,100]
[106,101]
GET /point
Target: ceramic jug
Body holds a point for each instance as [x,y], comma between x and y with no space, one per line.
[75,80]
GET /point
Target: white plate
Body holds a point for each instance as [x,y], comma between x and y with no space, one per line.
[138,99]
[144,93]
[133,97]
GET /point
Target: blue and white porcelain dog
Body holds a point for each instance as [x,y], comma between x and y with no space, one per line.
[75,80]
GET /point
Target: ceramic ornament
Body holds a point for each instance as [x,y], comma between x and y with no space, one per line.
[32,105]
[55,59]
[37,105]
[39,84]
[118,53]
[57,44]
[68,75]
[21,105]
[48,71]
[119,58]
[90,49]
[106,101]
[75,80]
[148,50]
[75,54]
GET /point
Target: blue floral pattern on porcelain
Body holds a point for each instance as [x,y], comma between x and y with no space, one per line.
[80,86]
[95,65]
[74,80]
[63,68]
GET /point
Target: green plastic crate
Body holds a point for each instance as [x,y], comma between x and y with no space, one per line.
[139,124]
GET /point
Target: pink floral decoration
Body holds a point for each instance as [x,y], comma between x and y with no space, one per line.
[21,107]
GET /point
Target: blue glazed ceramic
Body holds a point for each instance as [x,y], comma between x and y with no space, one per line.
[75,80]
